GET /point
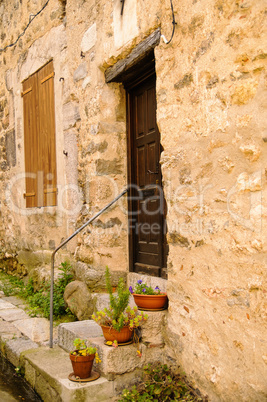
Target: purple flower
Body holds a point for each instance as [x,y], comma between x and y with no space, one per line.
[130,289]
[157,288]
[143,290]
[139,281]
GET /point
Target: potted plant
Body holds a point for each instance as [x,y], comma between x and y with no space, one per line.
[119,321]
[82,358]
[148,298]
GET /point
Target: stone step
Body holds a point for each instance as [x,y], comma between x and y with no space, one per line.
[151,331]
[47,371]
[122,363]
[67,332]
[36,329]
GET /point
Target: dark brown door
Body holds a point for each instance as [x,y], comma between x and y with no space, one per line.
[147,206]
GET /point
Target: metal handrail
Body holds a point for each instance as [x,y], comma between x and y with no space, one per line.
[59,247]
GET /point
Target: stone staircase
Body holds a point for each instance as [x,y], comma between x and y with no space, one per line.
[47,370]
[24,342]
[120,367]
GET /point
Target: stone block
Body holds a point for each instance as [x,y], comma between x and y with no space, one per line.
[95,279]
[104,167]
[110,128]
[4,305]
[88,275]
[100,390]
[79,300]
[15,347]
[11,148]
[70,146]
[30,374]
[37,329]
[100,301]
[47,370]
[28,258]
[80,72]
[121,360]
[8,331]
[67,332]
[9,80]
[152,330]
[71,115]
[13,314]
[86,82]
[89,39]
[46,390]
[16,301]
[52,364]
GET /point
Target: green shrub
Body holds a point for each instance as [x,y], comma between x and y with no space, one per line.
[39,301]
[160,384]
[10,285]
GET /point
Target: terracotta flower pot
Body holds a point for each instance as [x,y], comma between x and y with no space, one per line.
[122,336]
[82,365]
[150,302]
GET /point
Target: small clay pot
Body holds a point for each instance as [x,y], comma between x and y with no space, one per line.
[82,365]
[122,336]
[150,302]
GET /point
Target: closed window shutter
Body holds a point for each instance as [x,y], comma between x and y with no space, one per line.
[39,115]
[30,113]
[47,144]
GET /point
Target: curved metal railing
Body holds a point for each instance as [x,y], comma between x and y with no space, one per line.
[63,244]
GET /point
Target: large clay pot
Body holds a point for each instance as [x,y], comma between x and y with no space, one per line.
[150,302]
[82,365]
[111,334]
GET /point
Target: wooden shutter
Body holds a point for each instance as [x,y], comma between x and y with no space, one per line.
[39,134]
[47,143]
[30,113]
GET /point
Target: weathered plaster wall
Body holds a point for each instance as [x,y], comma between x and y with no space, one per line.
[211,107]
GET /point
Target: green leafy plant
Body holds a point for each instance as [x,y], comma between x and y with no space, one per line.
[39,301]
[10,285]
[19,370]
[81,349]
[130,317]
[119,314]
[143,289]
[160,384]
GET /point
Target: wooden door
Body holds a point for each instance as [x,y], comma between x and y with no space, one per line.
[147,205]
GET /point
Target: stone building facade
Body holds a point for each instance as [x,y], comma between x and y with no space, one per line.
[210,93]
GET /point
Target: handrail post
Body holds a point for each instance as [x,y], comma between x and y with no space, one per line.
[63,244]
[52,299]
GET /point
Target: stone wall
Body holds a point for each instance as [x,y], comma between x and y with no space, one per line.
[28,236]
[211,108]
[211,117]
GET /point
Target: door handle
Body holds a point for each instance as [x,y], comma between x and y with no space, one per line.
[150,172]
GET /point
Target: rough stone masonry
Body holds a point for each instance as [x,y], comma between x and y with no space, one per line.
[211,113]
